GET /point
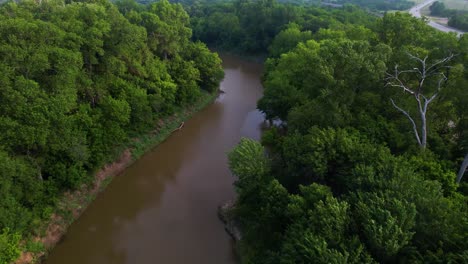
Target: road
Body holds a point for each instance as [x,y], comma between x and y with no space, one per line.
[416,12]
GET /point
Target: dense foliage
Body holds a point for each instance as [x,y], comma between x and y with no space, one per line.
[79,79]
[250,26]
[343,178]
[438,9]
[459,20]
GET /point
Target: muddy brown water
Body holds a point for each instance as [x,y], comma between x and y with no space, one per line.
[163,208]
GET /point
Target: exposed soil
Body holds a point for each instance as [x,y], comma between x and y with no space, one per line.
[112,169]
[231,224]
[75,203]
[25,258]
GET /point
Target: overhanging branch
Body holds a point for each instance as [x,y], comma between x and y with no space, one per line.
[463,168]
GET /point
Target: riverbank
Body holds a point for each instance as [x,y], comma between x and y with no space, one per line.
[227,215]
[73,204]
[165,202]
[258,58]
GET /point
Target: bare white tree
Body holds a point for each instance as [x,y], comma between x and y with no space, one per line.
[419,90]
[463,169]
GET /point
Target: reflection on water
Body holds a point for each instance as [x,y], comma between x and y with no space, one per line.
[162,209]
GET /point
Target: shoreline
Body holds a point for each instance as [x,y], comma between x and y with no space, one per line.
[72,204]
[258,58]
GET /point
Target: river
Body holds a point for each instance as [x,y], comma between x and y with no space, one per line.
[163,208]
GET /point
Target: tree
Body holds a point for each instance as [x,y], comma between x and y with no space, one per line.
[437,9]
[207,63]
[288,39]
[78,79]
[169,27]
[248,162]
[187,77]
[387,201]
[385,223]
[426,74]
[463,169]
[9,246]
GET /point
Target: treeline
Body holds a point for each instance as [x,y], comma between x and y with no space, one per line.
[346,177]
[247,26]
[378,5]
[457,18]
[79,80]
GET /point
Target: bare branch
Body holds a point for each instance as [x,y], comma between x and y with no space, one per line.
[416,58]
[463,169]
[399,83]
[422,72]
[405,89]
[419,103]
[410,119]
[439,62]
[428,101]
[439,85]
[443,79]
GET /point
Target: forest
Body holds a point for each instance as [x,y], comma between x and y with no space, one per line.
[371,124]
[80,80]
[249,27]
[370,114]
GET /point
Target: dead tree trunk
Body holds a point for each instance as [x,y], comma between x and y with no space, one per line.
[463,168]
[423,73]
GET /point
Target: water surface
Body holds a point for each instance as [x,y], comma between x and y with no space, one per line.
[163,208]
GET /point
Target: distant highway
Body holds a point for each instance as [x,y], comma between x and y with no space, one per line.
[416,12]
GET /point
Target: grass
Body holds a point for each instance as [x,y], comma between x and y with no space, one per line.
[456,4]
